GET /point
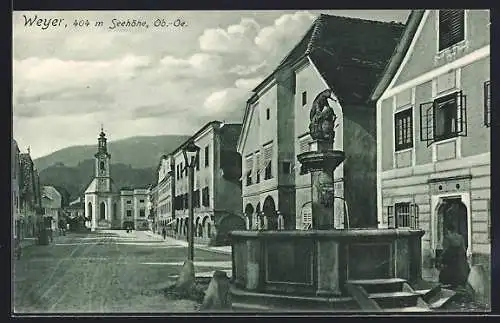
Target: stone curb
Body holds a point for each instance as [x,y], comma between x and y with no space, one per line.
[184,243]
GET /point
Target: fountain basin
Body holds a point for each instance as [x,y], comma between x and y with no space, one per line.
[320,262]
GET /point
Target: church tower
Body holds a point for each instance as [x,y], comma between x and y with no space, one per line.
[101,204]
[102,162]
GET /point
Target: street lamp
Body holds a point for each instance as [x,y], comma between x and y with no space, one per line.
[190,153]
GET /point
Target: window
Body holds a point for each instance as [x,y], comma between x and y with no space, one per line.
[181,171]
[249,167]
[129,212]
[443,118]
[268,154]
[403,129]
[196,198]
[206,155]
[268,173]
[258,169]
[304,98]
[142,213]
[205,197]
[141,201]
[268,114]
[129,202]
[287,167]
[451,27]
[406,215]
[101,165]
[487,104]
[177,171]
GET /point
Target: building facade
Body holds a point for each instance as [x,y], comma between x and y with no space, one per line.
[52,206]
[217,189]
[105,205]
[29,198]
[334,55]
[164,213]
[433,133]
[15,187]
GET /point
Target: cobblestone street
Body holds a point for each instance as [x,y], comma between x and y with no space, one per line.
[104,272]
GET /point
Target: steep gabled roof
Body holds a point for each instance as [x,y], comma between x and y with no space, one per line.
[349,53]
[399,53]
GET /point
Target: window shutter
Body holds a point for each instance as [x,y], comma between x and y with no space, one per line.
[249,164]
[489,221]
[258,166]
[487,102]
[451,27]
[303,146]
[414,214]
[268,152]
[390,216]
[461,114]
[427,121]
[306,220]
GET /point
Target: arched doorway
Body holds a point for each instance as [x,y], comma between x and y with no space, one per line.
[102,211]
[259,222]
[248,215]
[451,211]
[269,210]
[200,230]
[89,211]
[196,231]
[209,230]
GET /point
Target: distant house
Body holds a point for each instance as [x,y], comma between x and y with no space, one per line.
[52,205]
[75,209]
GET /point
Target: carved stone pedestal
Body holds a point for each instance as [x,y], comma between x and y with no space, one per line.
[320,162]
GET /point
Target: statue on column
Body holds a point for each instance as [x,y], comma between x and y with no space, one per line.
[322,117]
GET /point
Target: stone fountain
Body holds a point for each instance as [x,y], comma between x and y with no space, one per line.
[326,268]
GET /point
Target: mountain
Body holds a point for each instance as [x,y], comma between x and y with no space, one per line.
[138,152]
[72,181]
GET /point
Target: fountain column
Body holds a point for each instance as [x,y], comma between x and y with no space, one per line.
[321,161]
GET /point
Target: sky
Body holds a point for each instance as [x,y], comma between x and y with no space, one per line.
[67,81]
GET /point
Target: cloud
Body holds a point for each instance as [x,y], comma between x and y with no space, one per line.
[196,65]
[228,99]
[248,84]
[235,38]
[244,70]
[287,28]
[35,77]
[143,83]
